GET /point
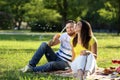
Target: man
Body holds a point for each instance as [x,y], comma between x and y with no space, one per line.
[56,61]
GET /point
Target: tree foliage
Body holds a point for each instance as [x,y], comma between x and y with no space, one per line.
[35,11]
[102,14]
[15,8]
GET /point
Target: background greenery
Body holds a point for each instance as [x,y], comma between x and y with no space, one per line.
[47,15]
[17,50]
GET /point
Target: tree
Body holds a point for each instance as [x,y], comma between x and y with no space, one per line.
[15,8]
[103,14]
[36,13]
[116,5]
[59,5]
[68,9]
[5,21]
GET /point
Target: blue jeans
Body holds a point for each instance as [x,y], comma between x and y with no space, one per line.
[54,62]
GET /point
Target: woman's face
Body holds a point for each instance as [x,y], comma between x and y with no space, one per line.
[78,27]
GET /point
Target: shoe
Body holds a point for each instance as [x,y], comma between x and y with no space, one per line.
[27,68]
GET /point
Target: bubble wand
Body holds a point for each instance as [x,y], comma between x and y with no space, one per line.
[63,30]
[58,35]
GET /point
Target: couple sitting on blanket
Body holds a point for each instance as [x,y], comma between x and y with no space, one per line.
[77,52]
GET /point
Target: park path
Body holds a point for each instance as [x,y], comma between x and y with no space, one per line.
[26,33]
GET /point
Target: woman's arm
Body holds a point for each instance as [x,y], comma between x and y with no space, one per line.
[94,49]
[73,52]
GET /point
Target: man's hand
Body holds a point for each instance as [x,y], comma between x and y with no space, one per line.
[50,43]
[56,37]
[55,40]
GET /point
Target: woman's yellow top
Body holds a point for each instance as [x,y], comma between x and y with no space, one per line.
[78,48]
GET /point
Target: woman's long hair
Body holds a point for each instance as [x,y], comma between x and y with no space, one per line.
[85,34]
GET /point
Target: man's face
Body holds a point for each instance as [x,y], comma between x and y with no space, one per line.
[70,29]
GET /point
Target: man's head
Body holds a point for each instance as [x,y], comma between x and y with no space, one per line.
[70,27]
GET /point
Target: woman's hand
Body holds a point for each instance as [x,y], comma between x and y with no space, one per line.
[85,52]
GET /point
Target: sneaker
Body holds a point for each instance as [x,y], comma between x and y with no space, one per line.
[27,68]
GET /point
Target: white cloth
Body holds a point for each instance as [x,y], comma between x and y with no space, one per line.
[85,63]
[65,50]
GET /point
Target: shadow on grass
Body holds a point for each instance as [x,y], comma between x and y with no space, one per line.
[16,75]
[111,47]
[105,34]
[2,51]
[16,51]
[26,37]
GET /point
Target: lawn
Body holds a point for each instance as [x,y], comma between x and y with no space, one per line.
[17,50]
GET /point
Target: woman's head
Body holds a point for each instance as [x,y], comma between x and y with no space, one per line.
[84,29]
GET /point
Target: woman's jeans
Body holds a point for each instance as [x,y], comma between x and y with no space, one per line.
[54,62]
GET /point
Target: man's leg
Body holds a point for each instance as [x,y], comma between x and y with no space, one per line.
[52,66]
[43,49]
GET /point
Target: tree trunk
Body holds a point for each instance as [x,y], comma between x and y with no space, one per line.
[19,24]
[63,10]
[64,15]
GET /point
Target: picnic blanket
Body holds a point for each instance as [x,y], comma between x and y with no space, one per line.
[98,75]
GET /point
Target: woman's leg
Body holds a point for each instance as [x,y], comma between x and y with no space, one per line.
[85,63]
[78,63]
[90,64]
[79,74]
[86,75]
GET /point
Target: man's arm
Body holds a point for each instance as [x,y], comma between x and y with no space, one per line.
[55,40]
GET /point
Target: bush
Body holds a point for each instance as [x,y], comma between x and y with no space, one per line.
[5,21]
[45,27]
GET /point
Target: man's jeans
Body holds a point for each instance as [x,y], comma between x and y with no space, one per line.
[54,62]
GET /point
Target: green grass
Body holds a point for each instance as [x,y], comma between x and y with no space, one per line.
[17,50]
[108,49]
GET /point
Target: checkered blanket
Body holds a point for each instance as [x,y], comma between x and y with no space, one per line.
[98,75]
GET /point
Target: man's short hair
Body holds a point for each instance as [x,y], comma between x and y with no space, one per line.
[70,21]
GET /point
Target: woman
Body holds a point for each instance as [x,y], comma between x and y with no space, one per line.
[84,50]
